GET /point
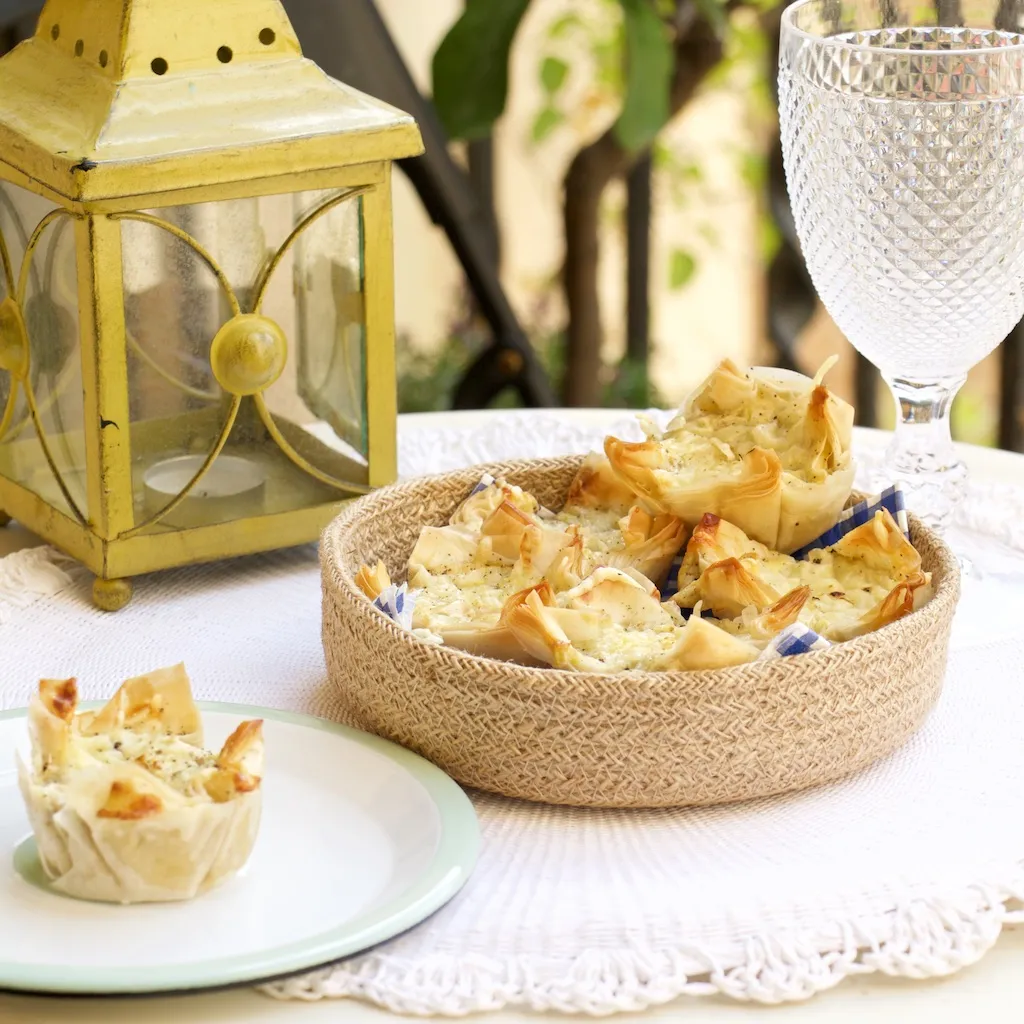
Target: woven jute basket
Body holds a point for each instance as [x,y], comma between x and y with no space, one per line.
[638,739]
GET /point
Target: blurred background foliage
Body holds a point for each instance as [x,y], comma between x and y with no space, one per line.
[610,77]
[643,61]
[616,72]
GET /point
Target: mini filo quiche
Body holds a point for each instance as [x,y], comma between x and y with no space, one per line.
[126,805]
[500,543]
[870,578]
[619,530]
[612,622]
[765,450]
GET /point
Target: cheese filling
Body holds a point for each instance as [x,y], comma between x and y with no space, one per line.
[473,593]
[179,764]
[600,529]
[842,589]
[709,445]
[621,648]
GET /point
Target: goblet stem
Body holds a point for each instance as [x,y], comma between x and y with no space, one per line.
[922,457]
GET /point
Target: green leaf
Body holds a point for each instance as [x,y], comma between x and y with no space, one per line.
[427,380]
[715,15]
[664,157]
[631,387]
[553,73]
[649,67]
[682,267]
[769,239]
[973,419]
[691,172]
[753,170]
[564,25]
[545,123]
[607,54]
[709,233]
[471,67]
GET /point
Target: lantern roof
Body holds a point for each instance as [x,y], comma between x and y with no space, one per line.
[112,98]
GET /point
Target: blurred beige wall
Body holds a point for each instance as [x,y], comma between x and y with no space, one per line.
[716,314]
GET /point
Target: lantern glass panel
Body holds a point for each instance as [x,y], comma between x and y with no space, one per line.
[42,442]
[319,292]
[295,259]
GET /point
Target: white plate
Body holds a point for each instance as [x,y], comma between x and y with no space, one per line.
[359,841]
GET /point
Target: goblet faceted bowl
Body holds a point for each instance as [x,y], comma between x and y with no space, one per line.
[903,138]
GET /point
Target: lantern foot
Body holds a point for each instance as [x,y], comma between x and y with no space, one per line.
[5,520]
[111,595]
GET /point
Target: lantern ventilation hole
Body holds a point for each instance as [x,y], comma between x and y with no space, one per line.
[268,37]
[79,47]
[104,58]
[159,66]
[55,33]
[225,54]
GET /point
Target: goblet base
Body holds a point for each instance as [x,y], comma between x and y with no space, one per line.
[933,488]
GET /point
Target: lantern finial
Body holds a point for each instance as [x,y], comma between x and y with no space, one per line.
[120,97]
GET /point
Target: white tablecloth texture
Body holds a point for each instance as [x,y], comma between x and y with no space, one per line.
[909,868]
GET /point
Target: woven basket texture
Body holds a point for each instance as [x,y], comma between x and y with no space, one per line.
[638,739]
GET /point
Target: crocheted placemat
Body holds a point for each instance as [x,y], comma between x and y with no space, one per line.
[910,868]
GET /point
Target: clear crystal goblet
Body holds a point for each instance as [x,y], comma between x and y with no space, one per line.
[903,136]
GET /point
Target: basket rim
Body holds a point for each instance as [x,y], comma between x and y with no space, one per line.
[341,584]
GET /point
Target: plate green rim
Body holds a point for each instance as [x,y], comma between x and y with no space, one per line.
[447,873]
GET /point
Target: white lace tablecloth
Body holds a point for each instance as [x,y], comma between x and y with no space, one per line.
[910,868]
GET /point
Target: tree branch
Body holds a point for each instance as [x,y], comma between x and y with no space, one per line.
[697,51]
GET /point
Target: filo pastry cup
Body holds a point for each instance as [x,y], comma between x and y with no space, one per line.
[124,804]
[468,576]
[462,575]
[868,579]
[769,454]
[614,622]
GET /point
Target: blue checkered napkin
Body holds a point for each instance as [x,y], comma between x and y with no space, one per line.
[891,498]
[795,639]
[485,481]
[670,587]
[397,603]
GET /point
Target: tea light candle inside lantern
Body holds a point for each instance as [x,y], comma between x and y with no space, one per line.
[231,488]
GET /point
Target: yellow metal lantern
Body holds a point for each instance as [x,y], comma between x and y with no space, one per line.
[196,290]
